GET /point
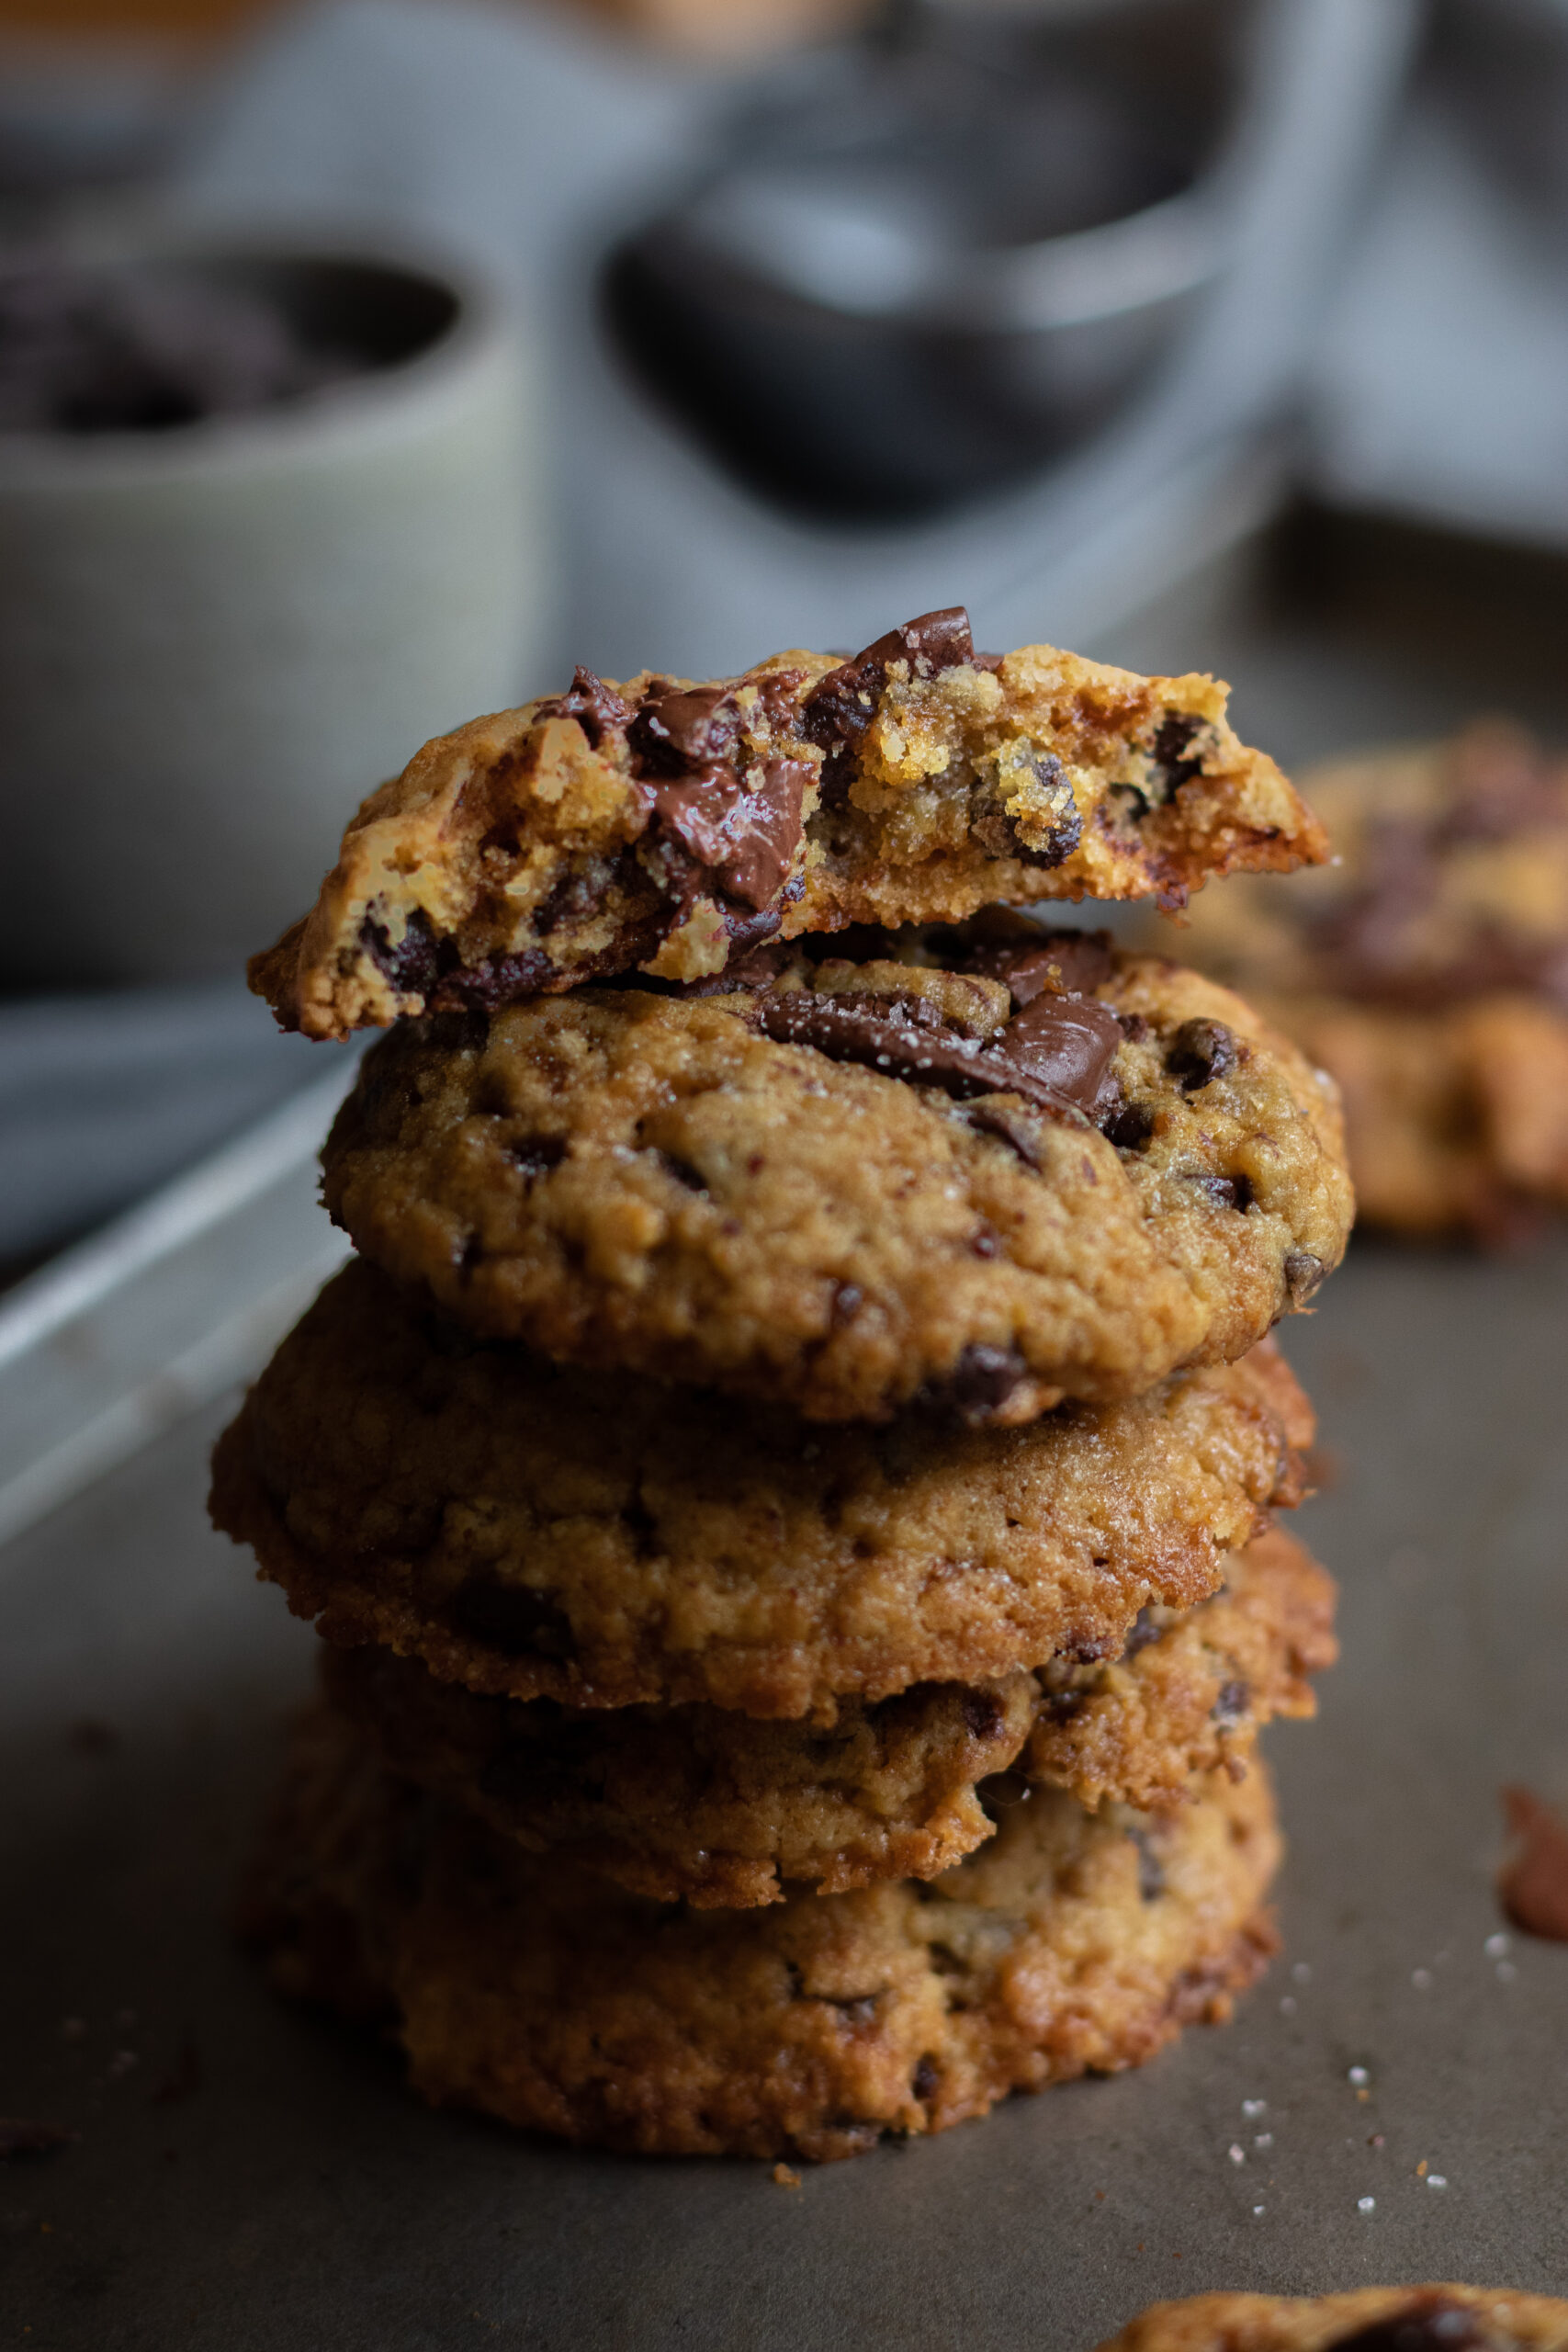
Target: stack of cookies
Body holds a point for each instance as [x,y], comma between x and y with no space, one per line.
[787,1483]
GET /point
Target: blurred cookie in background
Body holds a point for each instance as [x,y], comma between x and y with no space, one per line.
[1427,968]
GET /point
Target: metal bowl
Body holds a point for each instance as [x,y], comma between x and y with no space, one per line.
[924,267]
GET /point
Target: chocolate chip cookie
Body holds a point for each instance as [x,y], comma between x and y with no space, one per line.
[991,1167]
[1369,2319]
[543,1995]
[1427,970]
[604,1541]
[668,826]
[702,1803]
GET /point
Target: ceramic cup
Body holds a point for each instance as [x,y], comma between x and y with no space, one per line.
[216,638]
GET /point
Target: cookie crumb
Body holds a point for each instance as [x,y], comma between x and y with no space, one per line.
[785,2178]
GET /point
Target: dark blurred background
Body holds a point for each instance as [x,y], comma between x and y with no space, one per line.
[1227,333]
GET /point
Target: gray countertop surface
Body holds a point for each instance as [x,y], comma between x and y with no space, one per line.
[247,2175]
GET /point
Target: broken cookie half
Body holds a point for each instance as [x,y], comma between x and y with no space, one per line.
[670,828]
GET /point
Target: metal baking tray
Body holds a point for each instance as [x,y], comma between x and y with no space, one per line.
[248,2176]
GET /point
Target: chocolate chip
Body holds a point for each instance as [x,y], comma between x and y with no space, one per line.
[998,831]
[1230,1708]
[1225,1191]
[1151,1870]
[683,729]
[986,1241]
[411,966]
[741,837]
[1134,1028]
[501,979]
[842,706]
[512,1618]
[22,2138]
[982,1381]
[1130,1126]
[1016,1129]
[1303,1276]
[598,709]
[1200,1051]
[983,1713]
[924,2079]
[1175,764]
[997,944]
[1067,1041]
[1430,2324]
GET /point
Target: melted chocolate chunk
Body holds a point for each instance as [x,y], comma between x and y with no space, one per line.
[842,706]
[713,827]
[500,979]
[682,731]
[1225,1191]
[512,1619]
[1175,764]
[1056,1053]
[998,945]
[413,965]
[598,709]
[1130,1126]
[423,965]
[1427,2323]
[1200,1051]
[924,2079]
[1070,1043]
[982,1381]
[983,1713]
[1016,1128]
[746,839]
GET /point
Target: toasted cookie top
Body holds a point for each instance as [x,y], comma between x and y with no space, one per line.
[994,1166]
[667,825]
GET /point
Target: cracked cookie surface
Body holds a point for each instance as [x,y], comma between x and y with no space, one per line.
[704,1803]
[543,1995]
[994,1164]
[1428,970]
[1444,2318]
[668,825]
[604,1541]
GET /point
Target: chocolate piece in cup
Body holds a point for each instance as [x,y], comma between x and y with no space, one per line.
[237,598]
